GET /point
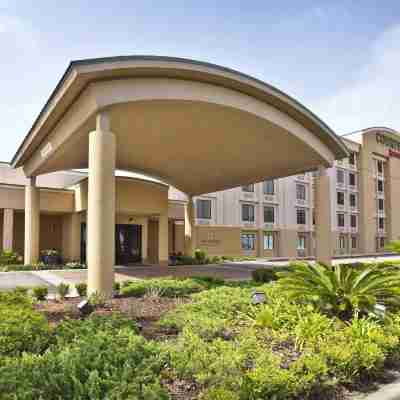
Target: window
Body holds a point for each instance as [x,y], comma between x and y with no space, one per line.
[354,242]
[381,205]
[203,208]
[247,213]
[380,186]
[352,159]
[268,241]
[269,215]
[353,221]
[381,223]
[340,220]
[301,216]
[248,241]
[300,192]
[382,242]
[301,242]
[248,188]
[340,176]
[352,179]
[342,242]
[379,166]
[269,187]
[353,200]
[313,217]
[340,198]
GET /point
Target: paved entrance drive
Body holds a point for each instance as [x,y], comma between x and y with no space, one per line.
[11,280]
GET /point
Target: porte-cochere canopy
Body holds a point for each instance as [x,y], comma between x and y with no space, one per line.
[197,126]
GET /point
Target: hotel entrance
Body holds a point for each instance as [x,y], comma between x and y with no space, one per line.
[128,243]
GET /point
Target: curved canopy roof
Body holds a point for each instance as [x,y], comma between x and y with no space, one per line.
[198,126]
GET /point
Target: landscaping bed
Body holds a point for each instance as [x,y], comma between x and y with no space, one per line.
[199,338]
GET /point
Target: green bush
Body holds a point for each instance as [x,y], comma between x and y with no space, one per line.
[97,299]
[15,298]
[62,290]
[8,257]
[21,328]
[40,292]
[81,288]
[201,256]
[116,287]
[281,349]
[71,330]
[95,366]
[166,287]
[264,275]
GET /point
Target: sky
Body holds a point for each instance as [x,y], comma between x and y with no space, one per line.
[339,58]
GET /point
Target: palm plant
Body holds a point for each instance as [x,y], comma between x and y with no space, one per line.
[342,290]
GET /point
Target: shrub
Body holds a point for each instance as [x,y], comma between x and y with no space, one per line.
[71,330]
[116,287]
[166,287]
[62,290]
[200,256]
[95,366]
[264,275]
[75,265]
[15,298]
[81,288]
[185,260]
[40,292]
[21,328]
[342,290]
[97,299]
[209,281]
[8,257]
[21,290]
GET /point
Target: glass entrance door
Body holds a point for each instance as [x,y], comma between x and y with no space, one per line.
[128,243]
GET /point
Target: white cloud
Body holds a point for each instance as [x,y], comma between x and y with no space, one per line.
[373,97]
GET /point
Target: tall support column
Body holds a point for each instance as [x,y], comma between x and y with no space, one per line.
[323,224]
[190,241]
[8,229]
[101,208]
[163,254]
[32,222]
[145,245]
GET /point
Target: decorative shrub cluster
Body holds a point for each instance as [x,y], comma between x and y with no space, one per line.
[96,358]
[164,287]
[281,349]
[9,257]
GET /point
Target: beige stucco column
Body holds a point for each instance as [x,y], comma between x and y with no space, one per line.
[71,237]
[32,222]
[101,208]
[163,254]
[145,240]
[190,241]
[323,225]
[8,229]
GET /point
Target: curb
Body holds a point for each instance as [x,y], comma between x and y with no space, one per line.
[390,391]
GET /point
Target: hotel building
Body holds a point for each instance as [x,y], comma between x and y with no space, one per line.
[274,218]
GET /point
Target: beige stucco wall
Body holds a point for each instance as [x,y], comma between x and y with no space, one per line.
[219,240]
[133,196]
[393,198]
[50,200]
